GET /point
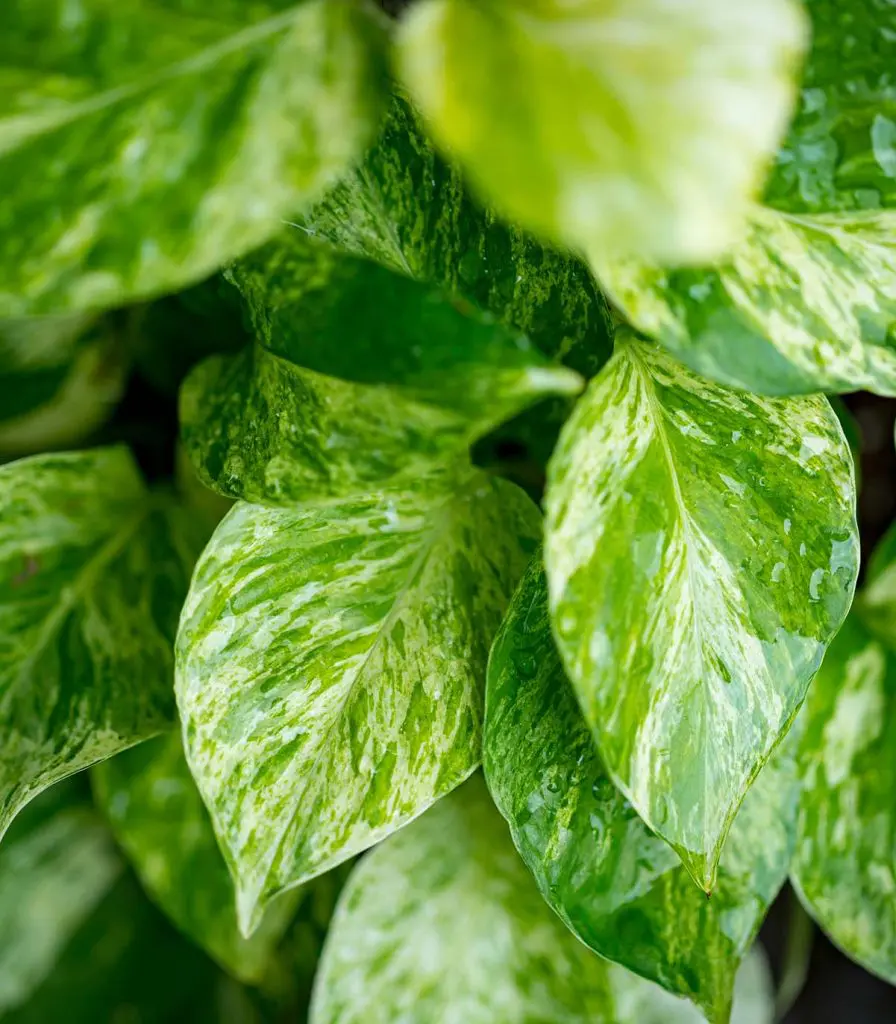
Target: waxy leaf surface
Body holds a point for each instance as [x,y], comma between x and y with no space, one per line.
[806,300]
[843,869]
[408,209]
[641,127]
[93,572]
[701,552]
[157,815]
[56,865]
[362,379]
[331,669]
[442,923]
[621,889]
[142,147]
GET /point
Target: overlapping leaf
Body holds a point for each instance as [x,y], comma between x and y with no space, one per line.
[93,571]
[60,378]
[621,889]
[625,127]
[442,922]
[407,208]
[56,865]
[362,378]
[157,815]
[807,300]
[141,147]
[331,668]
[701,551]
[844,861]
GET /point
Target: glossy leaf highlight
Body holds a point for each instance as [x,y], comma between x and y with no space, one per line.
[638,127]
[621,889]
[701,552]
[157,815]
[331,669]
[93,572]
[148,144]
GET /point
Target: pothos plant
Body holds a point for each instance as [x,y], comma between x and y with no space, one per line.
[509,384]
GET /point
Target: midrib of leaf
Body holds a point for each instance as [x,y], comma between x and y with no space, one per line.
[841,237]
[443,518]
[17,130]
[688,529]
[70,596]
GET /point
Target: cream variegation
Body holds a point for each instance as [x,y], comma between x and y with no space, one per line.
[634,126]
[618,887]
[844,864]
[701,551]
[152,142]
[154,809]
[805,302]
[443,923]
[93,571]
[331,668]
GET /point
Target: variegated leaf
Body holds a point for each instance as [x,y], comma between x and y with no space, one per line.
[844,868]
[442,923]
[804,303]
[408,209]
[701,551]
[330,669]
[56,865]
[60,378]
[158,817]
[807,299]
[639,127]
[621,889]
[362,379]
[150,143]
[93,571]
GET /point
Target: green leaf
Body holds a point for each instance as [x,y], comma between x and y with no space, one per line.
[362,379]
[331,669]
[124,963]
[56,865]
[146,146]
[802,304]
[442,923]
[701,551]
[408,209]
[60,378]
[641,128]
[840,152]
[158,817]
[807,300]
[621,889]
[93,571]
[843,868]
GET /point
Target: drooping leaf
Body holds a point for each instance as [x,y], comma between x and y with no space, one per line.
[621,889]
[60,378]
[843,869]
[408,209]
[623,127]
[701,551]
[56,865]
[442,923]
[158,817]
[330,669]
[142,147]
[807,300]
[93,571]
[362,378]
